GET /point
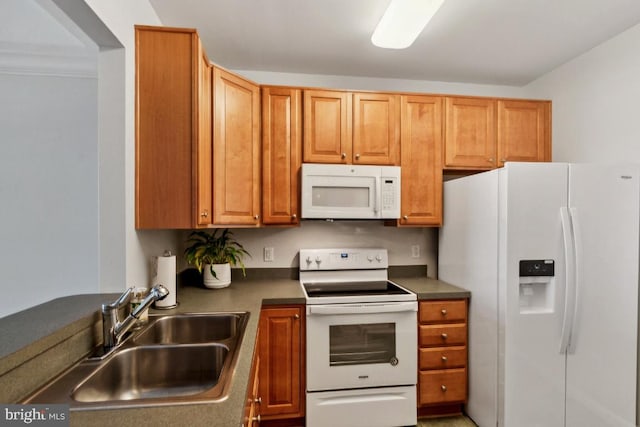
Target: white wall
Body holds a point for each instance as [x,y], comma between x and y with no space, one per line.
[338,234]
[595,102]
[377,84]
[48,189]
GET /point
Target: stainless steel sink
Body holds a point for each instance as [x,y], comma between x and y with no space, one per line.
[155,372]
[184,358]
[190,329]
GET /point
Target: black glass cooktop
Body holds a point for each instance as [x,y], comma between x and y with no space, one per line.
[337,289]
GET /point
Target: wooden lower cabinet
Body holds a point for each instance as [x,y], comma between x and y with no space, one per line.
[281,367]
[442,356]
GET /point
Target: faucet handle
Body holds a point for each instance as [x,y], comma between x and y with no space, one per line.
[123,299]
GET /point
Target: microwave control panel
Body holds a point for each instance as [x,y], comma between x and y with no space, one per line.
[389,196]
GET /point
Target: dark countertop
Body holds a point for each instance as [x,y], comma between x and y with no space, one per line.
[64,314]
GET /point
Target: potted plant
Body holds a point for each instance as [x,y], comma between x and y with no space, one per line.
[213,254]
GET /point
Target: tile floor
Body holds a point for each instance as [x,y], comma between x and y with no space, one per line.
[456,421]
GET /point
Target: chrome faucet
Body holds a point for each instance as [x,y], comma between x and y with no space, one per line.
[112,328]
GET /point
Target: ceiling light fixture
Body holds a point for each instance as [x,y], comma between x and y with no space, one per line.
[403,21]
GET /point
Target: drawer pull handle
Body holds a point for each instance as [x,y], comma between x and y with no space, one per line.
[444,312]
[443,387]
[444,336]
[444,358]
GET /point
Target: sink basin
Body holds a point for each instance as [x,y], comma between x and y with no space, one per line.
[190,329]
[152,372]
[175,359]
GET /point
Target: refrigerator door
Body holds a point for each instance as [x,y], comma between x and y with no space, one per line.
[531,306]
[468,257]
[602,355]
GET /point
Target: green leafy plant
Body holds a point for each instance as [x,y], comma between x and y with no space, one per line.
[214,248]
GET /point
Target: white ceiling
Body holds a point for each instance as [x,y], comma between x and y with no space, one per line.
[506,42]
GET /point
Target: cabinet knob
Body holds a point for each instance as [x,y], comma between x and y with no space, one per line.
[444,336]
[204,213]
[503,160]
[296,316]
[294,216]
[444,358]
[258,400]
[256,217]
[405,217]
[443,311]
[256,418]
[357,156]
[490,160]
[343,155]
[443,387]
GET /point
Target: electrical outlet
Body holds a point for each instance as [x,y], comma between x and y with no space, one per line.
[415,251]
[269,254]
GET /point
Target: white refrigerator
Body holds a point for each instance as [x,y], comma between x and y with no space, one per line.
[549,252]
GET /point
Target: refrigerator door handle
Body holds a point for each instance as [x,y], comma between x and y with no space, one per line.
[569,283]
[575,231]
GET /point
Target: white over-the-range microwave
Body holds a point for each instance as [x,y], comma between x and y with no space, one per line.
[331,191]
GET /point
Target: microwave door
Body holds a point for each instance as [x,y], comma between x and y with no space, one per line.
[335,197]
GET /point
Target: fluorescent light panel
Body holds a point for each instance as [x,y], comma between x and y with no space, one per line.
[403,21]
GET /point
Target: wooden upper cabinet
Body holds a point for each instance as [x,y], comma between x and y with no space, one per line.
[524,131]
[327,126]
[281,154]
[376,129]
[173,108]
[470,133]
[421,161]
[353,128]
[236,150]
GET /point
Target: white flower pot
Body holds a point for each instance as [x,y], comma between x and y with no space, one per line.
[222,278]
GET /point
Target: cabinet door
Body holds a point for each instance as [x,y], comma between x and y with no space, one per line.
[421,160]
[165,134]
[470,141]
[236,150]
[376,129]
[327,126]
[524,131]
[281,362]
[203,202]
[281,153]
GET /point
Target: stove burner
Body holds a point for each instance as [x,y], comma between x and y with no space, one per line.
[338,289]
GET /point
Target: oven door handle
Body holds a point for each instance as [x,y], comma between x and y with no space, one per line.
[331,309]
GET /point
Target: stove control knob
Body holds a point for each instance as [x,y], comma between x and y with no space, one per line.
[308,260]
[318,260]
[378,258]
[369,258]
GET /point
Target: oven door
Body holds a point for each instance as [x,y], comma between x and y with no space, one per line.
[361,345]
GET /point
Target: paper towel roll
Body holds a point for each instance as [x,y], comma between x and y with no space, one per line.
[164,273]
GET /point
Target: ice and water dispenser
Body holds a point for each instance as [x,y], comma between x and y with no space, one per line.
[537,283]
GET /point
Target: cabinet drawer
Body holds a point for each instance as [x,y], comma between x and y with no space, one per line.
[442,335]
[442,357]
[442,386]
[443,311]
